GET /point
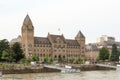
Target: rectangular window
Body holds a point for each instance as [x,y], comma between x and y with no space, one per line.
[54,50]
[82,47]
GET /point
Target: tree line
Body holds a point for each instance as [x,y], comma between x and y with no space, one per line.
[11,53]
[104,54]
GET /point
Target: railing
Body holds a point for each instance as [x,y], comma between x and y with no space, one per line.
[63,69]
[54,67]
[104,65]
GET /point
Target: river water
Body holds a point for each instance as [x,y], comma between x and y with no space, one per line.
[83,75]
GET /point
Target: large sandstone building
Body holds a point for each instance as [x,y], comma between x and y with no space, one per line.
[53,46]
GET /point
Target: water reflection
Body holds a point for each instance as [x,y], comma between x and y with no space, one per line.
[86,75]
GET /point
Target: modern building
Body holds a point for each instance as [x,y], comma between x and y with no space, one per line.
[53,46]
[105,39]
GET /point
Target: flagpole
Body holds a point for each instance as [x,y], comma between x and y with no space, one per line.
[59,31]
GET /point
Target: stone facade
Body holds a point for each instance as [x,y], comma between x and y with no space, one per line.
[53,46]
[92,52]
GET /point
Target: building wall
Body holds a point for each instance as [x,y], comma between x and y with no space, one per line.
[57,49]
[105,38]
[73,52]
[92,55]
[42,50]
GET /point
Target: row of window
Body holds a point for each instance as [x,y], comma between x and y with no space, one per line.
[38,45]
[58,50]
[70,51]
[55,50]
[73,51]
[73,55]
[73,47]
[63,46]
[50,55]
[40,55]
[56,46]
[59,46]
[42,50]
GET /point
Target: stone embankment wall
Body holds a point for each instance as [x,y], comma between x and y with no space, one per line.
[29,70]
[91,67]
[46,70]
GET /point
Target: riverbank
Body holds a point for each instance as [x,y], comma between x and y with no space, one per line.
[29,70]
[41,69]
[90,67]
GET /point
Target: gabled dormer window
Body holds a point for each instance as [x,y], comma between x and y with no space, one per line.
[58,40]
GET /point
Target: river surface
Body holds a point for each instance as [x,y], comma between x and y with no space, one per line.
[83,75]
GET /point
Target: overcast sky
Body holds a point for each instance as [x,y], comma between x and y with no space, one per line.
[93,17]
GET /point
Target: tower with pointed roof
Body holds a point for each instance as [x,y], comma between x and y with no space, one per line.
[27,36]
[81,40]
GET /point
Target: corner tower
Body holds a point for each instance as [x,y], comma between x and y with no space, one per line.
[81,40]
[27,36]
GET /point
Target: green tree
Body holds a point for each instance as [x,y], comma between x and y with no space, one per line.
[119,53]
[4,44]
[104,54]
[8,55]
[85,59]
[35,58]
[97,59]
[115,54]
[79,60]
[72,59]
[28,60]
[46,59]
[23,60]
[51,60]
[18,53]
[62,59]
[5,55]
